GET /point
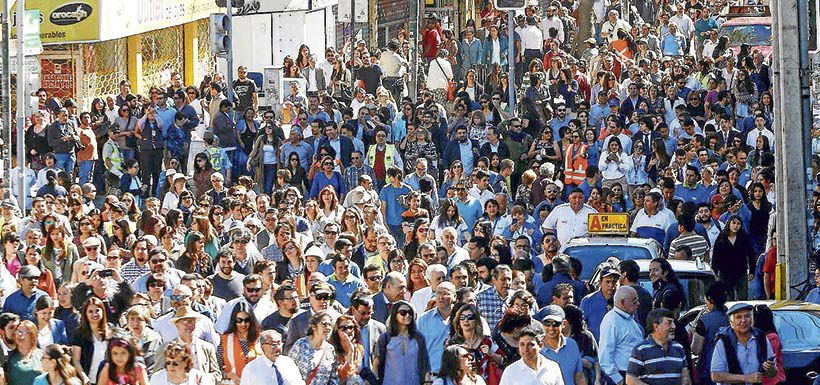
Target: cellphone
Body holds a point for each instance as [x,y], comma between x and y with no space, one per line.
[105,273]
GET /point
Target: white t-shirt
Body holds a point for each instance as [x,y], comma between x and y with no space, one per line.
[195,377]
[98,356]
[548,373]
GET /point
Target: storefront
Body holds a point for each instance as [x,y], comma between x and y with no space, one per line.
[92,45]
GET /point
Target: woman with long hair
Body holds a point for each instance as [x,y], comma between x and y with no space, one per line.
[126,140]
[614,163]
[293,268]
[51,330]
[314,355]
[451,177]
[457,368]
[298,174]
[329,207]
[353,223]
[10,256]
[302,56]
[85,230]
[205,226]
[264,157]
[471,85]
[24,362]
[576,328]
[402,354]
[477,126]
[90,342]
[448,217]
[594,146]
[665,283]
[346,339]
[57,367]
[712,318]
[121,366]
[238,345]
[60,255]
[202,174]
[761,148]
[195,260]
[422,146]
[36,141]
[416,279]
[745,94]
[121,236]
[733,258]
[504,335]
[340,87]
[170,242]
[248,127]
[761,210]
[418,235]
[46,283]
[764,320]
[467,331]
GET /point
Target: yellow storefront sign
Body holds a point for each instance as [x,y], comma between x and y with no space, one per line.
[608,223]
[65,21]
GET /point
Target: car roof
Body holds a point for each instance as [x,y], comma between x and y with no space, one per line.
[626,241]
[748,20]
[687,267]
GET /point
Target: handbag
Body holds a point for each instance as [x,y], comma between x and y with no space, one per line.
[316,369]
[451,88]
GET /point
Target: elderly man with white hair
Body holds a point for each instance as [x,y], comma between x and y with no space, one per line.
[435,274]
[620,333]
[271,367]
[455,254]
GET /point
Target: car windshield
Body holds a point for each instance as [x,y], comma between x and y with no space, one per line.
[798,330]
[694,286]
[593,255]
[753,35]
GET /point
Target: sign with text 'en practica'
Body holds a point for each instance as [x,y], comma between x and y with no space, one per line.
[608,223]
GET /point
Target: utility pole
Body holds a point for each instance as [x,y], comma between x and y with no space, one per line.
[511,57]
[352,46]
[791,92]
[414,75]
[5,101]
[22,84]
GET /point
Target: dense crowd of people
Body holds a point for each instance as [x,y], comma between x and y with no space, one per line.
[360,235]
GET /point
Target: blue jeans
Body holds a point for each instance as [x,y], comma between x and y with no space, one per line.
[128,154]
[269,171]
[398,234]
[65,162]
[86,170]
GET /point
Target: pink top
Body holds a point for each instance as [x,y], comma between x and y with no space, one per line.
[777,348]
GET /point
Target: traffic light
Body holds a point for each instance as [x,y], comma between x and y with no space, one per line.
[510,5]
[220,33]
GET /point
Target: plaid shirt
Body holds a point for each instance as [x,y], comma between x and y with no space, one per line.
[491,306]
[352,174]
[131,272]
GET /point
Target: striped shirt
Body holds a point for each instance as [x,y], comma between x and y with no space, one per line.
[696,242]
[654,365]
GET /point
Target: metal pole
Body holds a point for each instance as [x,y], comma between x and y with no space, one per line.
[352,46]
[789,70]
[5,89]
[414,76]
[229,54]
[511,58]
[22,83]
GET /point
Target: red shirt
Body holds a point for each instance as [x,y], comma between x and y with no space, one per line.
[769,266]
[430,41]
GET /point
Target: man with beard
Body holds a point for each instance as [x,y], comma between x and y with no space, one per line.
[461,148]
[227,283]
[550,245]
[658,358]
[8,327]
[710,224]
[367,248]
[287,302]
[596,305]
[252,294]
[158,262]
[491,301]
[321,296]
[138,266]
[455,254]
[560,119]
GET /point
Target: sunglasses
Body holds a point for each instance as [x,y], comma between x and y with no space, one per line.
[241,241]
[347,328]
[178,297]
[157,261]
[253,289]
[467,317]
[156,285]
[173,363]
[374,278]
[90,248]
[403,312]
[322,297]
[243,320]
[552,324]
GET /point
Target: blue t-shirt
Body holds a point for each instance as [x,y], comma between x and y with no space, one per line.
[390,195]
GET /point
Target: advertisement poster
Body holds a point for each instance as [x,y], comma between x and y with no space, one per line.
[57,77]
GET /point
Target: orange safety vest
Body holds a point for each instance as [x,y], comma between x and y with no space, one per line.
[233,356]
[575,168]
